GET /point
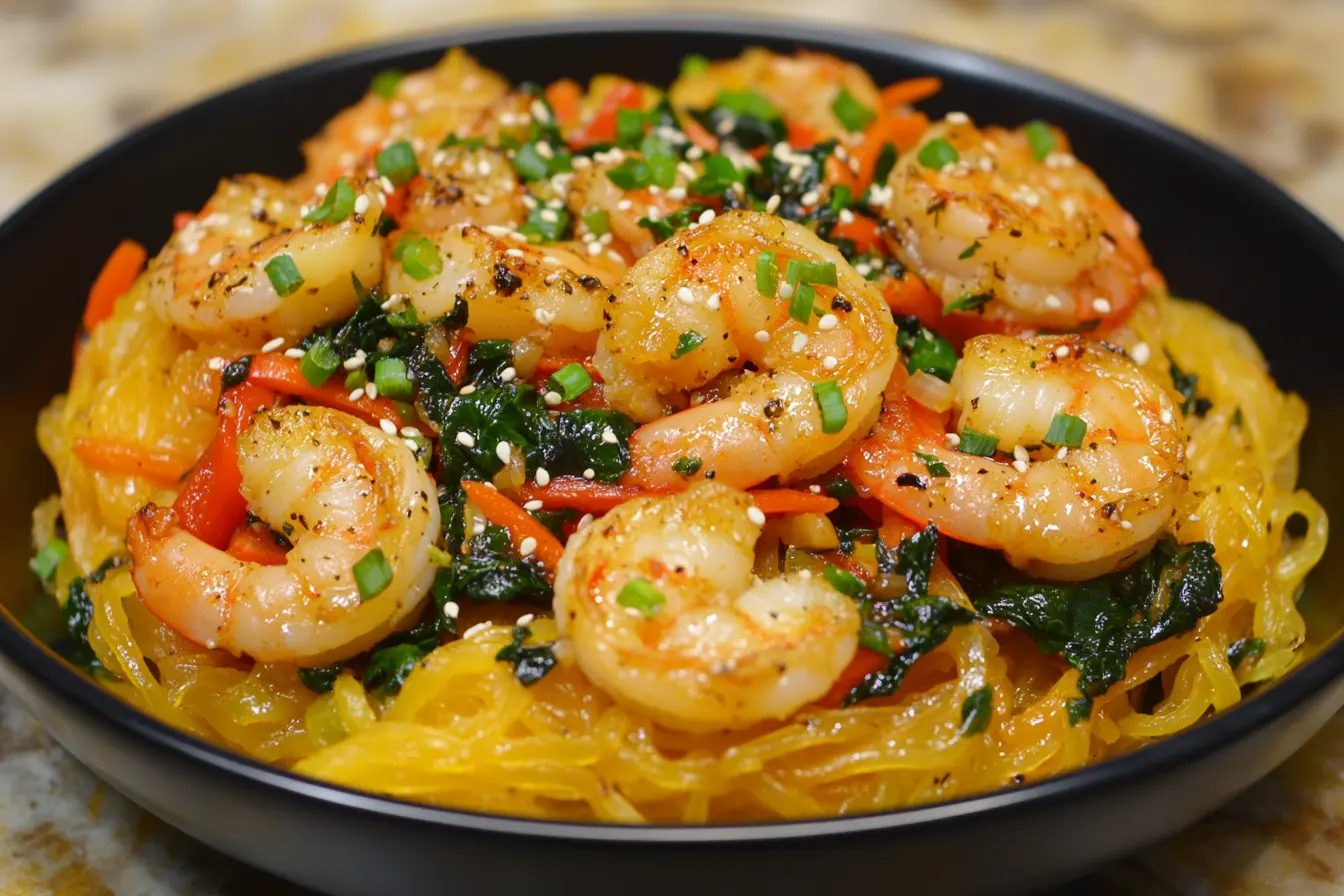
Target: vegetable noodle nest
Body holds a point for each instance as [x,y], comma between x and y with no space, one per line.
[755,449]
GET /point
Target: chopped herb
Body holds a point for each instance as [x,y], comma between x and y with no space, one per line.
[320,679]
[372,574]
[52,555]
[687,466]
[631,174]
[385,82]
[530,664]
[886,160]
[976,711]
[977,443]
[1245,650]
[571,381]
[1066,431]
[530,164]
[397,163]
[389,376]
[664,227]
[641,596]
[284,275]
[1186,384]
[630,124]
[842,197]
[969,302]
[831,401]
[687,342]
[336,206]
[767,274]
[937,154]
[933,464]
[719,174]
[419,257]
[319,362]
[844,581]
[970,250]
[851,113]
[1041,138]
[924,349]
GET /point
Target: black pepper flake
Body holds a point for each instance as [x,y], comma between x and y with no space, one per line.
[840,303]
[506,281]
[588,281]
[910,480]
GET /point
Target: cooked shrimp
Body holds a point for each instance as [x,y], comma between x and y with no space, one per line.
[1067,513]
[463,185]
[425,107]
[552,295]
[1044,240]
[802,86]
[342,489]
[659,604]
[210,280]
[746,426]
[592,191]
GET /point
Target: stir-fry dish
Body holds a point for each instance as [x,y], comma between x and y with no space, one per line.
[757,448]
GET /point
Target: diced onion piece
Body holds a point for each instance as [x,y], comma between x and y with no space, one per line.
[796,560]
[928,390]
[513,475]
[809,531]
[526,356]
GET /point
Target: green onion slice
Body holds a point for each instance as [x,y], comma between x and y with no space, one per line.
[52,555]
[419,257]
[641,595]
[844,581]
[319,362]
[831,400]
[336,206]
[1041,138]
[284,275]
[389,375]
[767,274]
[937,154]
[977,443]
[1066,431]
[372,574]
[851,113]
[571,381]
[397,163]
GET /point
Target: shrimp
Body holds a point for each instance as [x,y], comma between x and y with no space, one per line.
[462,185]
[708,647]
[1064,513]
[341,488]
[1042,242]
[552,295]
[593,192]
[211,281]
[744,425]
[802,86]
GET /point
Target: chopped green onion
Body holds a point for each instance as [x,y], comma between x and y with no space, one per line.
[1066,431]
[851,113]
[385,82]
[926,350]
[874,637]
[800,306]
[844,581]
[687,467]
[336,206]
[640,595]
[842,197]
[933,464]
[630,127]
[970,250]
[389,375]
[687,342]
[356,379]
[663,171]
[886,160]
[977,443]
[397,163]
[719,174]
[571,381]
[747,102]
[529,163]
[546,222]
[969,302]
[832,403]
[284,275]
[319,362]
[404,319]
[372,574]
[818,272]
[767,274]
[1041,138]
[597,222]
[632,174]
[694,64]
[937,154]
[419,257]
[52,555]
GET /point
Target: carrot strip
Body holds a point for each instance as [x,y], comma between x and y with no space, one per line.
[903,93]
[564,96]
[600,497]
[865,663]
[108,456]
[863,231]
[781,501]
[251,546]
[801,135]
[116,277]
[520,524]
[602,129]
[549,364]
[911,295]
[398,198]
[902,130]
[697,134]
[285,375]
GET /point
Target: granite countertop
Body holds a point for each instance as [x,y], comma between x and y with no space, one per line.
[1263,78]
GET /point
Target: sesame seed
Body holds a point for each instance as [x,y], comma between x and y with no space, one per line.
[507,375]
[544,316]
[1126,525]
[1101,306]
[386,185]
[1063,452]
[480,627]
[585,520]
[1062,351]
[356,394]
[388,427]
[467,389]
[953,439]
[515,253]
[786,290]
[829,362]
[552,398]
[217,363]
[1053,301]
[411,444]
[362,204]
[466,440]
[799,341]
[828,322]
[1020,453]
[846,216]
[712,303]
[624,205]
[410,432]
[1141,353]
[497,231]
[502,452]
[879,195]
[1020,466]
[451,609]
[526,618]
[762,336]
[273,344]
[772,204]
[589,473]
[706,216]
[958,118]
[393,301]
[534,504]
[615,256]
[809,198]
[294,353]
[371,390]
[686,295]
[355,361]
[1165,416]
[1194,517]
[756,515]
[814,489]
[543,476]
[609,435]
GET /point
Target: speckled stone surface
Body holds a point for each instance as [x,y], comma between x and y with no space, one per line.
[1264,78]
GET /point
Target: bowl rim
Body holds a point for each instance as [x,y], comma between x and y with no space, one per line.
[1255,712]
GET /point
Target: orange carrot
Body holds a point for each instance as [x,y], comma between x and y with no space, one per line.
[285,375]
[109,456]
[117,276]
[397,199]
[520,524]
[549,364]
[911,295]
[863,231]
[902,130]
[599,497]
[252,546]
[602,129]
[696,133]
[865,663]
[801,135]
[564,96]
[182,219]
[904,93]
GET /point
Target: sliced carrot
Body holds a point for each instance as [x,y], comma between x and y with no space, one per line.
[902,130]
[285,375]
[250,545]
[911,295]
[863,231]
[116,277]
[865,663]
[904,93]
[781,501]
[564,96]
[602,129]
[520,524]
[398,198]
[182,219]
[697,134]
[600,497]
[459,351]
[110,456]
[801,135]
[549,364]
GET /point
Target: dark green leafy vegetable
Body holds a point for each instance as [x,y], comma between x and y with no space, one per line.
[78,614]
[492,572]
[686,466]
[923,623]
[530,664]
[969,302]
[1245,650]
[886,160]
[914,559]
[924,349]
[976,711]
[389,667]
[319,679]
[1187,384]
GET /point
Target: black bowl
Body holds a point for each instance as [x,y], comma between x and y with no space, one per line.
[1219,231]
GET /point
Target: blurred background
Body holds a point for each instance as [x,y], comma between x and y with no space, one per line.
[1262,78]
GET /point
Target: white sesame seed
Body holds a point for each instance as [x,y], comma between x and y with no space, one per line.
[356,394]
[478,527]
[589,473]
[809,198]
[706,216]
[1194,517]
[1053,301]
[388,427]
[1062,351]
[294,353]
[410,432]
[386,185]
[786,290]
[762,336]
[799,341]
[451,609]
[685,294]
[1165,416]
[1126,525]
[550,259]
[814,489]
[552,398]
[846,216]
[466,440]
[393,301]
[411,444]
[755,514]
[772,204]
[615,256]
[594,249]
[543,476]
[502,452]
[828,322]
[480,627]
[355,361]
[953,439]
[609,435]
[1020,453]
[713,302]
[830,362]
[1141,353]
[507,375]
[676,194]
[624,205]
[362,204]
[957,118]
[371,390]
[534,504]
[585,520]
[496,231]
[544,316]
[1020,466]
[515,253]
[467,389]
[217,363]
[1063,452]
[879,196]
[273,344]
[1101,306]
